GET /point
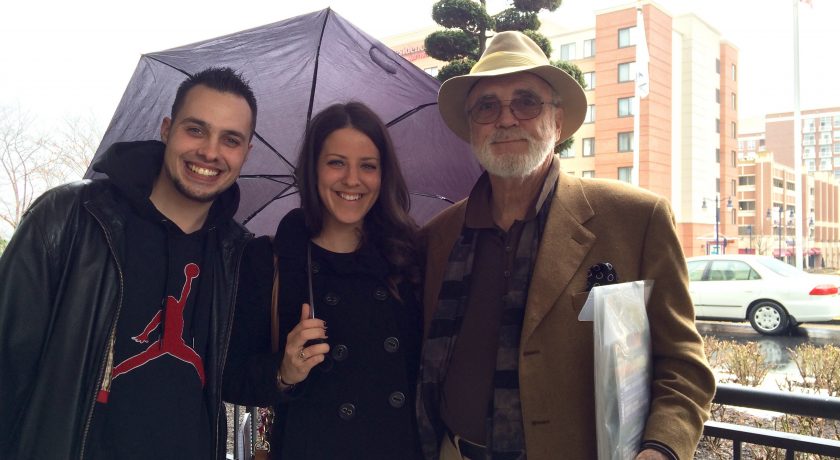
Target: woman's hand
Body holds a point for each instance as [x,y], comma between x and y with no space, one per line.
[298,359]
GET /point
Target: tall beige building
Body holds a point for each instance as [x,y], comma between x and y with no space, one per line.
[688,123]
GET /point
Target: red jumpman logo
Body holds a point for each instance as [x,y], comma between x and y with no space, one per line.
[172,343]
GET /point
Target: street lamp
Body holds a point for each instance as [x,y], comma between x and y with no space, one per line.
[717,220]
[781,223]
[749,229]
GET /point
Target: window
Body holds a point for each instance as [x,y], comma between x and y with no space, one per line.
[789,185]
[810,126]
[625,174]
[746,205]
[590,114]
[567,153]
[717,95]
[837,147]
[836,162]
[589,79]
[778,183]
[625,142]
[825,151]
[734,101]
[751,145]
[733,73]
[809,139]
[837,121]
[625,107]
[717,66]
[808,151]
[717,155]
[626,37]
[825,124]
[567,52]
[810,165]
[825,164]
[588,146]
[734,127]
[626,71]
[433,71]
[746,180]
[717,185]
[589,173]
[733,187]
[825,138]
[731,270]
[717,125]
[589,48]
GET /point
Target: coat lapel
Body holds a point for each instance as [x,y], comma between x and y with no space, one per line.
[565,243]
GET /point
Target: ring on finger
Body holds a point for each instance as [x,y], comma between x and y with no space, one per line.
[302,355]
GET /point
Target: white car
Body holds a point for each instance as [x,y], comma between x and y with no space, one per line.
[769,293]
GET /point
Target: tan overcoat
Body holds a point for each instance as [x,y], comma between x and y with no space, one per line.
[593,221]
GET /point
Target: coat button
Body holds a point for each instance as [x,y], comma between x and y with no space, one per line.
[396,399]
[380,294]
[347,411]
[331,298]
[339,353]
[392,344]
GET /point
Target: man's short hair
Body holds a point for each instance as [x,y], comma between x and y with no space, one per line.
[222,79]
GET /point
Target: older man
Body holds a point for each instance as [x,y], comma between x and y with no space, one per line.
[507,367]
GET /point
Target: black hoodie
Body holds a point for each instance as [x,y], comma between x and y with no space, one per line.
[156,404]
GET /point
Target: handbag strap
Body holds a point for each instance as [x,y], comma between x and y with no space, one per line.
[275,314]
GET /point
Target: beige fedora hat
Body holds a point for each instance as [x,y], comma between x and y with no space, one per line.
[510,52]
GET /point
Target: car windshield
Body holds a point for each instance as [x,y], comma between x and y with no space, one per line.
[779,267]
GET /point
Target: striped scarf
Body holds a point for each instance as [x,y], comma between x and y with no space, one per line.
[504,420]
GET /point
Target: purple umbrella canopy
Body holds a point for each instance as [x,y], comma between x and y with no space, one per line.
[297,67]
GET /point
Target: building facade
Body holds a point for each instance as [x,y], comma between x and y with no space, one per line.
[687,124]
[766,194]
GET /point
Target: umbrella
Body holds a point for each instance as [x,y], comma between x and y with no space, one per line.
[296,68]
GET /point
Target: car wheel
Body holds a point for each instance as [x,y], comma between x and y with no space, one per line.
[769,318]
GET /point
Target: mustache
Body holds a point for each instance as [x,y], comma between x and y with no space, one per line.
[509,134]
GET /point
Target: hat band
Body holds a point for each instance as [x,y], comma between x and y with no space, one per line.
[504,59]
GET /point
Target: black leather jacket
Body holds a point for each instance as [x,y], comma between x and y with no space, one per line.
[61,288]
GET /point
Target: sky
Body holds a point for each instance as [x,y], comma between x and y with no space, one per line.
[61,59]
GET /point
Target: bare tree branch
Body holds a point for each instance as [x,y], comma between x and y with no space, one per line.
[31,162]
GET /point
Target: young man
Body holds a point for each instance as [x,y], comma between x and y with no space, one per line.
[116,295]
[507,368]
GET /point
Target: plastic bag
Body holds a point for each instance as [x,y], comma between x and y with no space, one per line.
[622,366]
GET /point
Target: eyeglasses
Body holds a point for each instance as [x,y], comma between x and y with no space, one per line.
[488,109]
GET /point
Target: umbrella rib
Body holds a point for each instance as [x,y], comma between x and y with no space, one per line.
[408,114]
[271,177]
[256,134]
[432,195]
[315,71]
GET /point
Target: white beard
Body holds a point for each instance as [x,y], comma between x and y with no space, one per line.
[517,164]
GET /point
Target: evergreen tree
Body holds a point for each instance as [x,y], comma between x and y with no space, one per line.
[469,26]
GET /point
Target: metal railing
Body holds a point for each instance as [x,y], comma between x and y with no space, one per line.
[789,403]
[729,395]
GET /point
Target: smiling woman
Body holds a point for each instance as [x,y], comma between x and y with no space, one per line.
[348,258]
